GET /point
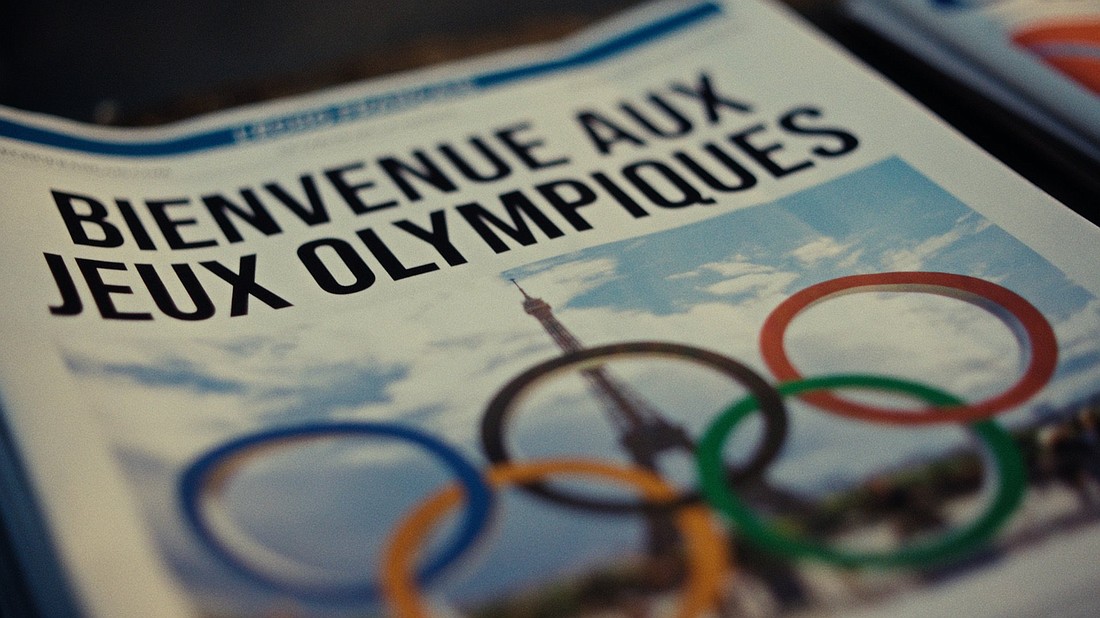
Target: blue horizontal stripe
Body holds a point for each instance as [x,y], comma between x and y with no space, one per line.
[603,51]
[180,145]
[360,108]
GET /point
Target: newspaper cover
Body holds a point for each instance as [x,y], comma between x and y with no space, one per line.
[1039,58]
[686,315]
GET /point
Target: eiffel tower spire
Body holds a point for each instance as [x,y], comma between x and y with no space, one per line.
[643,432]
[541,311]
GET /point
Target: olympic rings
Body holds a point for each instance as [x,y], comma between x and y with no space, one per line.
[1030,327]
[1011,477]
[209,476]
[503,404]
[707,560]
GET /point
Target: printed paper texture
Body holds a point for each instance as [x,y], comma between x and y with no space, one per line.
[299,521]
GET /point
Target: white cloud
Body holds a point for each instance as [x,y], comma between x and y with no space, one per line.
[913,258]
[819,249]
[735,267]
[570,279]
[939,341]
[1077,349]
[691,274]
[761,284]
[851,260]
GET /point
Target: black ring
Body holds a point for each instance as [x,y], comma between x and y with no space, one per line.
[499,409]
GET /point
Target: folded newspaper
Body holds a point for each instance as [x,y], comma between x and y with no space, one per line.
[689,315]
[1038,58]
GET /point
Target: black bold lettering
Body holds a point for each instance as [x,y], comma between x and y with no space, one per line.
[204,308]
[500,169]
[846,141]
[350,192]
[95,216]
[683,193]
[389,261]
[744,178]
[70,298]
[437,237]
[137,228]
[244,285]
[764,154]
[516,205]
[255,215]
[523,149]
[315,214]
[101,290]
[622,197]
[362,277]
[680,124]
[428,171]
[168,226]
[604,133]
[711,101]
[582,195]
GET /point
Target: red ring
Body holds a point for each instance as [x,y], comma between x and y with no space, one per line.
[1021,316]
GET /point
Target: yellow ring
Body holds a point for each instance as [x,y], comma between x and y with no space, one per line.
[706,546]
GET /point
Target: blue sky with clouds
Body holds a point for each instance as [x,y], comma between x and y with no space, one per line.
[888,217]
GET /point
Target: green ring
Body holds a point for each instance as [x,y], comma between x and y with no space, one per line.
[1011,477]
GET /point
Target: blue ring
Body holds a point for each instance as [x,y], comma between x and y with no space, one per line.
[478,501]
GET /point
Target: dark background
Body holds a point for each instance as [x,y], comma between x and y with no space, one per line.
[147,61]
[144,62]
[151,61]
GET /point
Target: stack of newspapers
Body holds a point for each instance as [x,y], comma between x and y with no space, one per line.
[688,314]
[1038,58]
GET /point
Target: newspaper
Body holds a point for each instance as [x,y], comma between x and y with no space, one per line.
[689,314]
[1038,58]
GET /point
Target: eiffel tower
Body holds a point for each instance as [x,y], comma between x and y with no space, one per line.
[643,433]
